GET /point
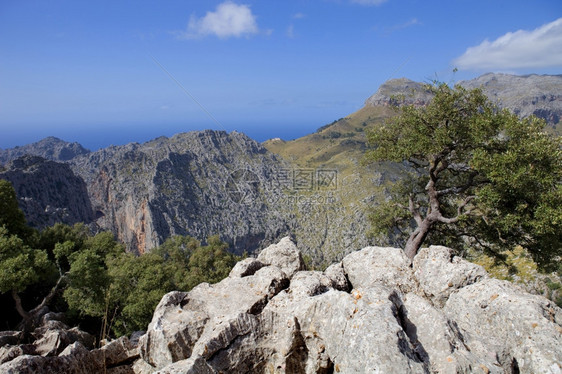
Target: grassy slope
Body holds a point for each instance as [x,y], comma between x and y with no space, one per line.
[325,149]
[329,231]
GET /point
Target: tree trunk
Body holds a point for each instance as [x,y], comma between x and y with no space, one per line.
[26,325]
[25,315]
[416,239]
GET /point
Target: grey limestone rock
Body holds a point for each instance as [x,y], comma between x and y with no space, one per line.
[74,359]
[380,266]
[372,312]
[48,192]
[440,273]
[208,318]
[61,350]
[119,352]
[338,277]
[284,255]
[523,331]
[247,266]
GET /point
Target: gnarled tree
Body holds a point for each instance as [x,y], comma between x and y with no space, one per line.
[476,175]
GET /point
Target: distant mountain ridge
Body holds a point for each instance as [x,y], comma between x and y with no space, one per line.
[540,95]
[50,148]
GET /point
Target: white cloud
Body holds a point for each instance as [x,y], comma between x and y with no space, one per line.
[228,20]
[539,48]
[298,15]
[291,31]
[368,2]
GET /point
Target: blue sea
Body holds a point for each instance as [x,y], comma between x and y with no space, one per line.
[96,137]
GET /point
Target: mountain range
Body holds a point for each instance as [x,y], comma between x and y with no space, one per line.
[314,188]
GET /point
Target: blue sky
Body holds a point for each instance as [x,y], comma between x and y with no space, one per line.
[113,72]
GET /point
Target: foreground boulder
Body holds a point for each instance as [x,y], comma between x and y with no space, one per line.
[373,312]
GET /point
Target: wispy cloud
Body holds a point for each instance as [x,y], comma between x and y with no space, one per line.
[368,2]
[228,20]
[291,31]
[412,22]
[539,48]
[401,26]
[291,28]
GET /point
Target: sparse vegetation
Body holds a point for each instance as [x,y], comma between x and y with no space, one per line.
[517,266]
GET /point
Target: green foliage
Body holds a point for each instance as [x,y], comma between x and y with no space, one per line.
[479,177]
[11,216]
[60,233]
[191,264]
[20,265]
[88,276]
[88,281]
[138,284]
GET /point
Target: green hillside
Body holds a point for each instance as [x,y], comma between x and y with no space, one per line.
[337,145]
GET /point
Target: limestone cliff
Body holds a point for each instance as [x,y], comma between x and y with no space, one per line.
[48,192]
[198,184]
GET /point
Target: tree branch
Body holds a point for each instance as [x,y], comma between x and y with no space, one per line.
[47,299]
[460,208]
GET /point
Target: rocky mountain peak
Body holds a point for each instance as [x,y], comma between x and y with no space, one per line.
[525,95]
[540,95]
[401,90]
[50,148]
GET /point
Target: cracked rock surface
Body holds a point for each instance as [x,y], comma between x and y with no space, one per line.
[374,312]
